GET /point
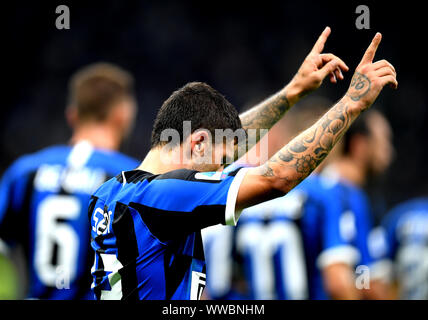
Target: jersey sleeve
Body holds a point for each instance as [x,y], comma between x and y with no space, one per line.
[183,201]
[335,230]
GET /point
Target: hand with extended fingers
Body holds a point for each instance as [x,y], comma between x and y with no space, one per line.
[370,77]
[317,66]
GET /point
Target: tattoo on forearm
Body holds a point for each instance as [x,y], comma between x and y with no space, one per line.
[263,116]
[304,153]
[266,114]
[359,87]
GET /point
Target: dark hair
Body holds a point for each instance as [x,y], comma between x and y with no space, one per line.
[359,127]
[199,103]
[95,89]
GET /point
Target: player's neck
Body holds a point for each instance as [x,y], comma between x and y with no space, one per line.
[157,162]
[99,135]
[350,170]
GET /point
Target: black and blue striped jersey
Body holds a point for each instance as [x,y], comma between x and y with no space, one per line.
[43,206]
[146,231]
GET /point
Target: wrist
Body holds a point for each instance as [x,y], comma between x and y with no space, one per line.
[354,107]
[292,92]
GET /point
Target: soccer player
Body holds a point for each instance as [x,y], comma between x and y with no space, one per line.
[367,151]
[293,247]
[146,223]
[44,196]
[406,234]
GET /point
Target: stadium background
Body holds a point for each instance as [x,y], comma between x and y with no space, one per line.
[246,50]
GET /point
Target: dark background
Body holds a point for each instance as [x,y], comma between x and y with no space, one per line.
[246,50]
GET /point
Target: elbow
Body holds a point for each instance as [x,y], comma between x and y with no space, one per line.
[285,182]
[280,186]
[268,182]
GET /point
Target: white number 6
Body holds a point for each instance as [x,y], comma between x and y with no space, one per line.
[50,231]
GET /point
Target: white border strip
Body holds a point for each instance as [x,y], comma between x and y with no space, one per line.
[232,216]
[123,178]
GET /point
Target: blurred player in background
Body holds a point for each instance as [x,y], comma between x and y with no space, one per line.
[44,196]
[306,255]
[367,152]
[406,230]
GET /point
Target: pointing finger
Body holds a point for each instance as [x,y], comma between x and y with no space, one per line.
[371,50]
[319,45]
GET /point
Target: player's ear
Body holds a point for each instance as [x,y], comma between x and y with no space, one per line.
[200,141]
[71,116]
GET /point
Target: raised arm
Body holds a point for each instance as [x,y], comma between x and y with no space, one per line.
[309,77]
[296,160]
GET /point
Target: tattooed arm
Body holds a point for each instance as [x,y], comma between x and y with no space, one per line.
[309,77]
[296,160]
[267,113]
[303,154]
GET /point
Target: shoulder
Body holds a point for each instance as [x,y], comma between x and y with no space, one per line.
[197,176]
[143,180]
[29,163]
[108,188]
[180,174]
